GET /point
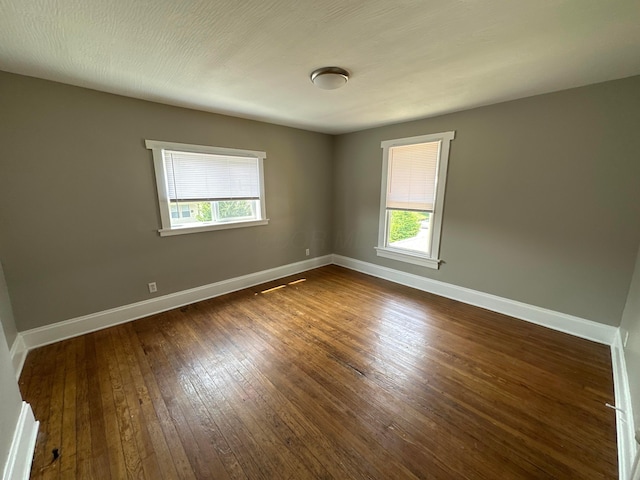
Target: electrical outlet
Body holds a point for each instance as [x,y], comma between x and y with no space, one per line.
[307,252]
[153,288]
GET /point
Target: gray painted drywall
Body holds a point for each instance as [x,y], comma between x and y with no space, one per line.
[78,203]
[631,324]
[6,312]
[10,399]
[542,203]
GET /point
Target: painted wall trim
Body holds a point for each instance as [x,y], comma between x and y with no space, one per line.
[18,354]
[24,439]
[18,464]
[48,334]
[579,327]
[56,332]
[562,322]
[627,448]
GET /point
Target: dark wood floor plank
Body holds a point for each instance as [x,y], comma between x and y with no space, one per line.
[56,406]
[139,456]
[248,435]
[340,375]
[343,359]
[218,398]
[152,448]
[100,454]
[496,375]
[184,416]
[342,404]
[150,394]
[264,420]
[302,434]
[205,398]
[68,445]
[334,374]
[84,457]
[112,411]
[38,391]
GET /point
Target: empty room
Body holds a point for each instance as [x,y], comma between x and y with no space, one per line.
[320,240]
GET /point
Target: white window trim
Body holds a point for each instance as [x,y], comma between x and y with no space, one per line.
[433,260]
[163,197]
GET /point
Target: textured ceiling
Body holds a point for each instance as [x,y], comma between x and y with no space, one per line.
[409,58]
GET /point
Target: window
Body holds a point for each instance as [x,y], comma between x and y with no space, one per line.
[414,172]
[204,188]
[183,212]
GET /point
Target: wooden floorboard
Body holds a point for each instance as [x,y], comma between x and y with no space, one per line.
[341,376]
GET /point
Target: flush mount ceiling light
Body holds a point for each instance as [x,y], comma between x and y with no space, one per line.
[329,78]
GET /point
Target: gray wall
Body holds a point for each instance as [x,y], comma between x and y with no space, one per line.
[78,203]
[542,203]
[631,324]
[10,399]
[6,312]
[542,200]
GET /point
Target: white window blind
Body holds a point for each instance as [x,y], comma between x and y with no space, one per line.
[208,177]
[411,183]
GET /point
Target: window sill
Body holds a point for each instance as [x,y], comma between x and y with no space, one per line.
[166,232]
[408,257]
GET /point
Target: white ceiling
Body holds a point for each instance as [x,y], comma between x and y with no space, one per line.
[252,58]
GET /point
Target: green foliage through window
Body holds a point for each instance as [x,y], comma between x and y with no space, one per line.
[226,209]
[404,224]
[204,212]
[234,208]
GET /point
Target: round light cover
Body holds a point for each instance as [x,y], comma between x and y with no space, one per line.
[329,78]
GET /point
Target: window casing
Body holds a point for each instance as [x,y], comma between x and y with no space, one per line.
[414,173]
[202,188]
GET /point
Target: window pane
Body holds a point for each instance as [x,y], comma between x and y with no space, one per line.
[186,213]
[233,210]
[205,188]
[412,176]
[409,230]
[203,212]
[197,176]
[183,213]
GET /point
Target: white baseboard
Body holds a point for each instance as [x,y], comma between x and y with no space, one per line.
[56,332]
[18,464]
[579,327]
[562,322]
[576,326]
[18,355]
[627,448]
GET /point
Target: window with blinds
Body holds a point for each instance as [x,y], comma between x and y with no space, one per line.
[207,188]
[411,183]
[201,177]
[414,175]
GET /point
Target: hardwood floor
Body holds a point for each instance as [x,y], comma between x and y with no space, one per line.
[338,376]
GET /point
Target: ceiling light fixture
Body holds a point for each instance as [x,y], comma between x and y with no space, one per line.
[329,78]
